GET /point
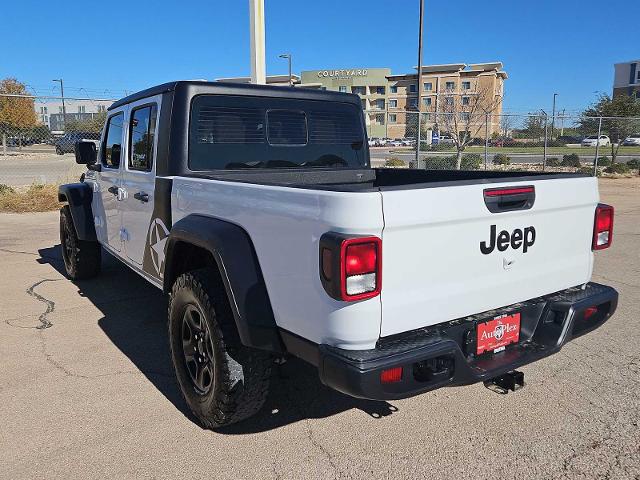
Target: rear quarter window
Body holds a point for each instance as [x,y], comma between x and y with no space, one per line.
[227,132]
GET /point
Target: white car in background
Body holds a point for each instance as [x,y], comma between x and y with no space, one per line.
[632,140]
[592,141]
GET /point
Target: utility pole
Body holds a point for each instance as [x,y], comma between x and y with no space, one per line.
[256,21]
[64,110]
[553,116]
[562,122]
[288,57]
[419,82]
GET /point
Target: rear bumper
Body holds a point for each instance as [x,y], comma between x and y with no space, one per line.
[444,354]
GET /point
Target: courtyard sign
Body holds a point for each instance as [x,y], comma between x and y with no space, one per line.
[361,72]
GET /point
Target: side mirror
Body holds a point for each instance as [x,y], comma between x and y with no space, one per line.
[86,152]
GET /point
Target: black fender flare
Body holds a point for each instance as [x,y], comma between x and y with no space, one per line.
[78,196]
[233,251]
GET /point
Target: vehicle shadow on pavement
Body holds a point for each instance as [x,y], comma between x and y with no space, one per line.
[134,319]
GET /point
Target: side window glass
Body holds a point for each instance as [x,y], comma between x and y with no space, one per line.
[113,141]
[142,134]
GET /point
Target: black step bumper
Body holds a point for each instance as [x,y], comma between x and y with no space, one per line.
[444,354]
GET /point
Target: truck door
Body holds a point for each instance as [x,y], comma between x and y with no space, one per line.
[139,177]
[106,203]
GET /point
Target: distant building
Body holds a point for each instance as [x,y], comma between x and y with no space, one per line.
[49,112]
[388,98]
[626,79]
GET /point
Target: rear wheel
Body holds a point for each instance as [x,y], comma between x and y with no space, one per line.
[82,259]
[222,381]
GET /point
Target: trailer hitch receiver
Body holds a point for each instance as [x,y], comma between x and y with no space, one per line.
[513,381]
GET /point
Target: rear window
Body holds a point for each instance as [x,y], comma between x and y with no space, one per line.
[248,132]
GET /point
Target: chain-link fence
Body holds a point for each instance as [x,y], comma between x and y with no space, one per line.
[38,134]
[530,142]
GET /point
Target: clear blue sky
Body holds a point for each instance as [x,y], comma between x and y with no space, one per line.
[546,46]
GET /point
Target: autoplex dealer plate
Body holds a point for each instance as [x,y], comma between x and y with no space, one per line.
[498,333]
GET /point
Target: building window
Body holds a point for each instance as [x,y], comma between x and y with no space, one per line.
[342,88]
[466,85]
[428,86]
[412,88]
[413,103]
[448,100]
[450,85]
[465,116]
[465,100]
[81,109]
[393,89]
[426,101]
[393,103]
[379,90]
[380,104]
[380,119]
[358,90]
[393,118]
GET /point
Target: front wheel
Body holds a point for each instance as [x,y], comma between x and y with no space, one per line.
[82,259]
[222,381]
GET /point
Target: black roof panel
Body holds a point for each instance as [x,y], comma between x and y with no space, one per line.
[228,88]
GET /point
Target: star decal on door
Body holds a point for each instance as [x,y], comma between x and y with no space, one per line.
[158,235]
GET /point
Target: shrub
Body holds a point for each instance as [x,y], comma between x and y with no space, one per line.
[37,198]
[6,189]
[589,171]
[604,161]
[394,162]
[501,159]
[634,163]
[571,160]
[617,168]
[553,162]
[470,161]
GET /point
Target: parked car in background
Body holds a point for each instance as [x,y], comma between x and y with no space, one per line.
[396,142]
[408,142]
[373,141]
[446,138]
[592,141]
[569,139]
[66,143]
[632,140]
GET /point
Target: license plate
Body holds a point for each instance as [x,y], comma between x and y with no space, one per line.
[496,334]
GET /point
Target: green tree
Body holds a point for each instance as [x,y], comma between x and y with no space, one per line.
[621,117]
[94,124]
[534,126]
[16,113]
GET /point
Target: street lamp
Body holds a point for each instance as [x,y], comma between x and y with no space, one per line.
[64,111]
[288,57]
[553,115]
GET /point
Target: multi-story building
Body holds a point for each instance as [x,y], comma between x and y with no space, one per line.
[626,79]
[49,112]
[390,101]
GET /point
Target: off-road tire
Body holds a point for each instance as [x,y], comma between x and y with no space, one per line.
[82,259]
[240,381]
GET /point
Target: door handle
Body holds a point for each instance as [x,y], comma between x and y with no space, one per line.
[113,190]
[143,197]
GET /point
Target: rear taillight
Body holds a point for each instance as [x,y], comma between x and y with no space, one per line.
[602,227]
[391,375]
[351,267]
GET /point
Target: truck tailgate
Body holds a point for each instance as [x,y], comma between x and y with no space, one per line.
[434,269]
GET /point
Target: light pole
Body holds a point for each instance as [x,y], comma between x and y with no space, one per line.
[553,115]
[64,110]
[288,57]
[419,82]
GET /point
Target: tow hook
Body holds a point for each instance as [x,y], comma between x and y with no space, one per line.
[513,381]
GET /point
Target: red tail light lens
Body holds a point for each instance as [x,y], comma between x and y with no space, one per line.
[603,227]
[361,268]
[391,375]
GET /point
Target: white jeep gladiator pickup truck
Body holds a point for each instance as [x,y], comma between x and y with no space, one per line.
[256,209]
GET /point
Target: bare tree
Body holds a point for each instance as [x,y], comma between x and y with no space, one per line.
[507,123]
[465,117]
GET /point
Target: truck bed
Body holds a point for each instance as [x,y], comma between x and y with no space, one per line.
[376,179]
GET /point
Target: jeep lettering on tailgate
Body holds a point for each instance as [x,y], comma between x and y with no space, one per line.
[516,239]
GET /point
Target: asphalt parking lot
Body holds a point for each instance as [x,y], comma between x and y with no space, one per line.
[87,390]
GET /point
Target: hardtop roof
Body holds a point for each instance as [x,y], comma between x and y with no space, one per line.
[229,88]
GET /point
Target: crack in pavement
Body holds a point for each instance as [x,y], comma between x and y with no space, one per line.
[51,305]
